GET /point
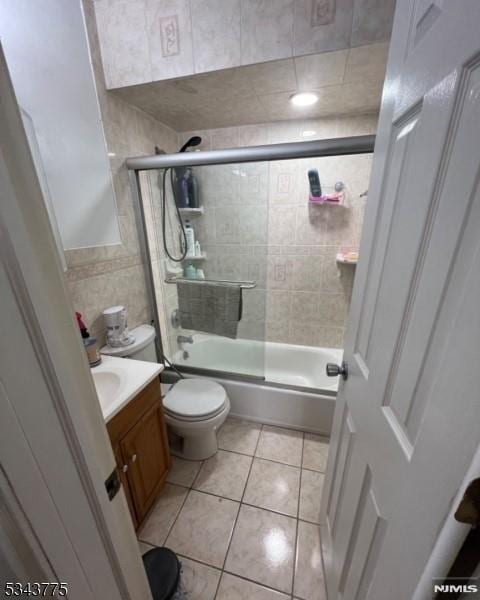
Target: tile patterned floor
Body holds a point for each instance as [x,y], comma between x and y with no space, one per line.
[245,522]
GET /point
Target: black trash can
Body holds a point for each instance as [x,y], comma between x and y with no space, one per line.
[163,572]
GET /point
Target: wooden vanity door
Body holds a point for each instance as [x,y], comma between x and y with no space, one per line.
[144,452]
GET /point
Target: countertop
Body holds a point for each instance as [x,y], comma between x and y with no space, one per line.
[119,380]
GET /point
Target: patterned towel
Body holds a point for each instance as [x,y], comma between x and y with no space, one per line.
[210,307]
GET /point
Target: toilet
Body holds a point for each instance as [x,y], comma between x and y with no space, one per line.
[194,408]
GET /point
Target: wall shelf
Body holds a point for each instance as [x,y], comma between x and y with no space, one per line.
[345,259]
[191,212]
[203,256]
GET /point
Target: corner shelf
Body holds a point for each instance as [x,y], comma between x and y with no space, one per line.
[192,212]
[203,256]
[343,260]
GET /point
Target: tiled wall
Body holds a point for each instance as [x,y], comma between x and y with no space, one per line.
[151,40]
[103,276]
[258,225]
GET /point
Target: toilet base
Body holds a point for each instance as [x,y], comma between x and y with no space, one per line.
[195,440]
[199,447]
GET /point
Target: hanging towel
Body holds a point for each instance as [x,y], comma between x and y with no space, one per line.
[210,307]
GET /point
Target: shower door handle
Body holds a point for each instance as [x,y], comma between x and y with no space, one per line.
[334,370]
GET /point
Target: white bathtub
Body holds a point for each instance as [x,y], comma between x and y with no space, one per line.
[295,391]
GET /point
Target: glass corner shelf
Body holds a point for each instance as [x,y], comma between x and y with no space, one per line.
[191,211]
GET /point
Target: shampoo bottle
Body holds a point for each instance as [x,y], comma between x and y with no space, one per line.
[190,235]
[193,191]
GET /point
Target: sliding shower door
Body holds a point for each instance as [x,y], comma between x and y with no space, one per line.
[226,208]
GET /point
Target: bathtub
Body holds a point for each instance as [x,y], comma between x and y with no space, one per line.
[276,384]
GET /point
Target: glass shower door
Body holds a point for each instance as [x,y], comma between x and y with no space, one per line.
[226,208]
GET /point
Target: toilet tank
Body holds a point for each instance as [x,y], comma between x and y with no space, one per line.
[143,348]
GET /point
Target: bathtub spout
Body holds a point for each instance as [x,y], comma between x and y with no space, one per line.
[184,339]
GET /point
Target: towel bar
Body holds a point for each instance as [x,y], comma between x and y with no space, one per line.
[246,285]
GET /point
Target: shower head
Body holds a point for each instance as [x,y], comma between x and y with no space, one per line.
[193,141]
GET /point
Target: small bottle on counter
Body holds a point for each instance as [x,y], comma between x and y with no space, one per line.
[89,343]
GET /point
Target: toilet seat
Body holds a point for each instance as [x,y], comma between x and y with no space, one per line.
[195,400]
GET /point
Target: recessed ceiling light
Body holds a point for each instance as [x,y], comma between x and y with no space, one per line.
[304,99]
[308,133]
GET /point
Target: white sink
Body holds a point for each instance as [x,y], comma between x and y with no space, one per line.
[118,380]
[107,384]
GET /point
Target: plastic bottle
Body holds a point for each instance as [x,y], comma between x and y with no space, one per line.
[190,235]
[193,191]
[190,272]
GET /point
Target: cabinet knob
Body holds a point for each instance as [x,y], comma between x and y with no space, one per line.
[125,468]
[134,458]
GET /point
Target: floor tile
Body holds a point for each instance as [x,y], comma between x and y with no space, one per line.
[239,436]
[282,445]
[315,453]
[224,474]
[198,582]
[311,495]
[234,588]
[158,524]
[144,547]
[309,580]
[204,528]
[262,548]
[273,486]
[183,472]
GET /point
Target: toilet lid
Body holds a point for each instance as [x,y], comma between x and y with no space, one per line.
[195,398]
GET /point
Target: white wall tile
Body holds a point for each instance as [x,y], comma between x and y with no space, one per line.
[318,30]
[216,34]
[308,293]
[169,38]
[281,224]
[123,41]
[372,21]
[267,30]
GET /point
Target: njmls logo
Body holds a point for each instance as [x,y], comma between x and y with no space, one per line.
[453,587]
[457,587]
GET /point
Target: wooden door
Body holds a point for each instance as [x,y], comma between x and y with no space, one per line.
[406,424]
[144,452]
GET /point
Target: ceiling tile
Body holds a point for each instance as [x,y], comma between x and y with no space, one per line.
[361,97]
[271,77]
[317,70]
[261,93]
[367,63]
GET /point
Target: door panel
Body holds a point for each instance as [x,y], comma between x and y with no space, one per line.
[397,165]
[403,435]
[143,452]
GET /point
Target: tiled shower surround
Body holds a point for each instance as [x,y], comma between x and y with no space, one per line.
[258,225]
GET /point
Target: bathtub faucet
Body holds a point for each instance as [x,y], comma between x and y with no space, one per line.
[184,339]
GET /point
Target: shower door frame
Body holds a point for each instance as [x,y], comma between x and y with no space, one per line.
[362,144]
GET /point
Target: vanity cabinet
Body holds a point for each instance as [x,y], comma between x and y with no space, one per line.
[139,439]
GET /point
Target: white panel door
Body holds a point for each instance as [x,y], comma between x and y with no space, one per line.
[407,419]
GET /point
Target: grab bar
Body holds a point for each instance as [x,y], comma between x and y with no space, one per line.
[245,285]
